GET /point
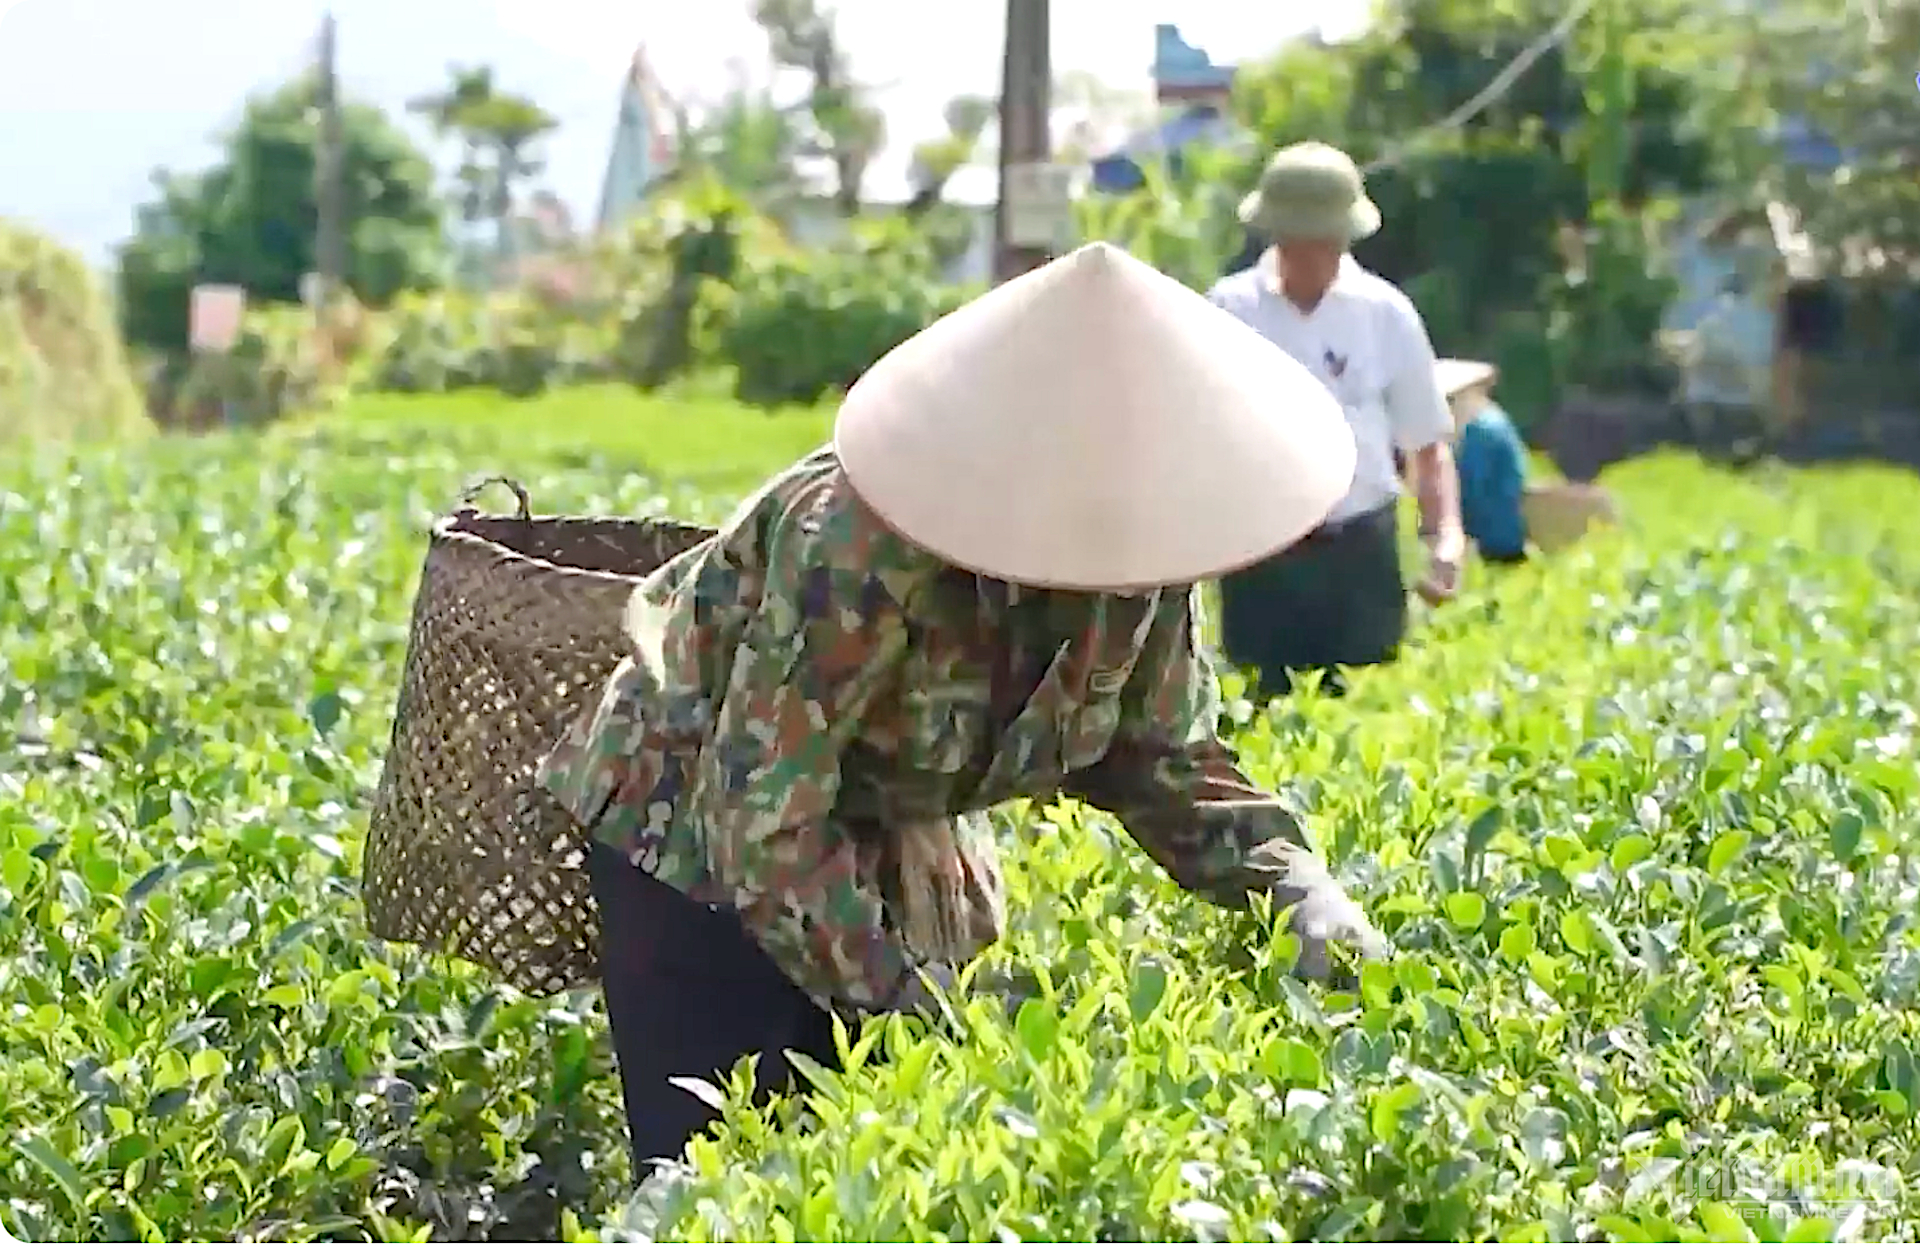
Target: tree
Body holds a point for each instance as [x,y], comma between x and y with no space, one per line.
[497,132]
[937,160]
[746,141]
[1842,77]
[845,127]
[250,220]
[1610,114]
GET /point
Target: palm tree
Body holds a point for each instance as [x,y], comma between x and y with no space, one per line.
[497,132]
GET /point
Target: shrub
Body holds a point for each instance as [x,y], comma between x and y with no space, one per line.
[63,370]
[800,326]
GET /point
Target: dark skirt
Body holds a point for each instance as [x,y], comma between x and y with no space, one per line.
[1336,598]
[689,992]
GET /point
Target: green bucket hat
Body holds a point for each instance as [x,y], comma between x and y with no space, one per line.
[1310,190]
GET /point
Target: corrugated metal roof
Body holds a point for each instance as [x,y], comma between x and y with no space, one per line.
[1177,63]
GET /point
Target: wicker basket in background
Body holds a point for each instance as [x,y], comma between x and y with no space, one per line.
[516,627]
[1557,515]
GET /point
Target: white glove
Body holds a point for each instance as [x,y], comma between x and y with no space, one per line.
[1322,912]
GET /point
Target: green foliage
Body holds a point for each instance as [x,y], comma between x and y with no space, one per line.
[1477,218]
[699,232]
[1182,221]
[1643,992]
[700,284]
[802,325]
[937,160]
[270,371]
[1606,306]
[497,133]
[841,123]
[508,342]
[1845,71]
[63,371]
[1640,821]
[250,219]
[747,142]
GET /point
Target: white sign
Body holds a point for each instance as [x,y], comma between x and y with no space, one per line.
[1039,204]
[311,287]
[213,318]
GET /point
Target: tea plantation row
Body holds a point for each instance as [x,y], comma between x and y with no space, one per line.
[1641,823]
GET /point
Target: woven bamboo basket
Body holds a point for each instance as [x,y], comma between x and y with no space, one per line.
[516,626]
[1558,515]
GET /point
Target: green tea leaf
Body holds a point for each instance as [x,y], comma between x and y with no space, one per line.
[57,1167]
[1466,910]
[16,870]
[1296,1063]
[1726,849]
[1389,1107]
[1724,1223]
[1038,1026]
[324,711]
[1629,851]
[1844,835]
[1149,988]
[1517,942]
[1630,814]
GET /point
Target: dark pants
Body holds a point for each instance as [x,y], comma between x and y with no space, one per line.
[1336,598]
[688,993]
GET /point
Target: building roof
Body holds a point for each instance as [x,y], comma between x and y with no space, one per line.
[1182,67]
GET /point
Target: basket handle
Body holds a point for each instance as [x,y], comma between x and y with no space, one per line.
[473,491]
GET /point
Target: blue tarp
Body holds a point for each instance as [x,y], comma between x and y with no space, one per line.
[1119,171]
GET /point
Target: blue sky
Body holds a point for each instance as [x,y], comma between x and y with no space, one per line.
[94,94]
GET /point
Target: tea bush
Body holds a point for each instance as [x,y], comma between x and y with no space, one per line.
[1640,822]
[800,326]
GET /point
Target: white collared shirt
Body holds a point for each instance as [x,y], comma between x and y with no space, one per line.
[1366,342]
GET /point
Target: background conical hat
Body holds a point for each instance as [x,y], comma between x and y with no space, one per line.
[1454,375]
[1094,425]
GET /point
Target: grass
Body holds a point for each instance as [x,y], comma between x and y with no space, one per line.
[1640,822]
[703,442]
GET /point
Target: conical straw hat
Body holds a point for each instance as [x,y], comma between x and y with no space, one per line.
[1094,425]
[1454,375]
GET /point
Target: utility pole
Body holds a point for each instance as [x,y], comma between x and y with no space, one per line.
[330,250]
[1026,90]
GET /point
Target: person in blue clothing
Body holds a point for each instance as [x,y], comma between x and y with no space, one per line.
[1502,514]
[1491,460]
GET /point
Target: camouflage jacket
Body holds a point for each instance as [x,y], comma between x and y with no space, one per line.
[816,714]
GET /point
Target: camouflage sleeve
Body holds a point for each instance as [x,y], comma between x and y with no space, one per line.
[1176,787]
[829,637]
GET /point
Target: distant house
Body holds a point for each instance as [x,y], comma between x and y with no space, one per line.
[1193,93]
[1183,73]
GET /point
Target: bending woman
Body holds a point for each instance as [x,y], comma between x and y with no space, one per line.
[983,590]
